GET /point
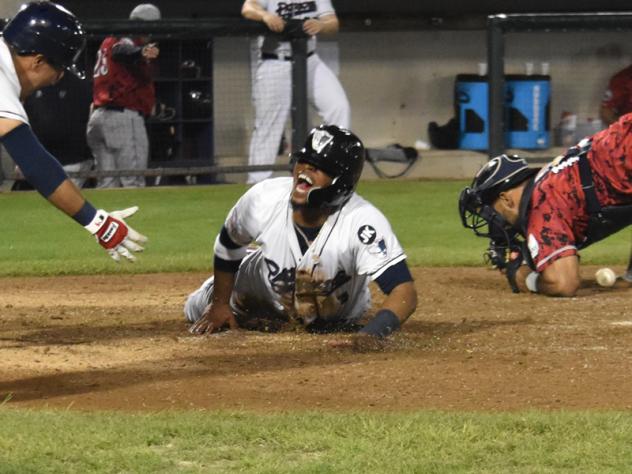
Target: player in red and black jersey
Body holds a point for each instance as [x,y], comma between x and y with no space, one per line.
[123,97]
[581,197]
[617,101]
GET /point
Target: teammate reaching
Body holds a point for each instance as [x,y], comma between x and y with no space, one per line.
[272,90]
[580,198]
[319,245]
[37,46]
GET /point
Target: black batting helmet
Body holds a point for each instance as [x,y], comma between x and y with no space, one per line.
[497,175]
[48,29]
[339,153]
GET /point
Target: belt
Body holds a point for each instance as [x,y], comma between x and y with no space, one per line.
[118,108]
[280,57]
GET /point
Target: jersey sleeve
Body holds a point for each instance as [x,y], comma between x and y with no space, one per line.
[245,219]
[549,240]
[10,105]
[325,8]
[375,244]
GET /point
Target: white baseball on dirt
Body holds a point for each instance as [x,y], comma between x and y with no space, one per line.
[605,277]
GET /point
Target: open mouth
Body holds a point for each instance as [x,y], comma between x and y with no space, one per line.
[303,183]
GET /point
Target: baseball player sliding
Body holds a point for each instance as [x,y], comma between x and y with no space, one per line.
[38,45]
[580,198]
[319,245]
[272,90]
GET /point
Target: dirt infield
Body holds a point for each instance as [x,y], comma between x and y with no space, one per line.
[120,342]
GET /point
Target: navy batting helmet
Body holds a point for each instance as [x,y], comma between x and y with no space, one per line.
[48,29]
[497,175]
[340,154]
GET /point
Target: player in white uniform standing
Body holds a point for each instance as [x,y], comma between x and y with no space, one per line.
[272,90]
[319,245]
[38,45]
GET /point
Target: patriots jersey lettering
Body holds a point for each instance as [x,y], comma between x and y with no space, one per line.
[290,10]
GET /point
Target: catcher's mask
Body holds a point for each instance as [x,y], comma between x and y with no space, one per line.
[339,153]
[475,202]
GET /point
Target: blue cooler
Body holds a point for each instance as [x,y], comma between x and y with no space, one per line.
[471,97]
[527,120]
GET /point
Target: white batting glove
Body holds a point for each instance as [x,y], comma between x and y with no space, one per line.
[114,235]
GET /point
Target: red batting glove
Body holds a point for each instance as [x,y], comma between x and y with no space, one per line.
[114,235]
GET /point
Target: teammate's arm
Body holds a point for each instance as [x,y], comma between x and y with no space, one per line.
[252,10]
[326,25]
[48,177]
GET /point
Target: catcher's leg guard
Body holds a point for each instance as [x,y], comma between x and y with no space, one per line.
[198,301]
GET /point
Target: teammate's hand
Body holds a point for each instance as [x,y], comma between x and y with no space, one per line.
[274,22]
[114,235]
[150,51]
[214,318]
[312,26]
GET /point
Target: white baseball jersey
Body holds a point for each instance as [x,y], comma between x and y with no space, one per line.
[330,281]
[10,89]
[272,89]
[293,10]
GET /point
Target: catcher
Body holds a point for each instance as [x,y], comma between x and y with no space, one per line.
[538,219]
[319,245]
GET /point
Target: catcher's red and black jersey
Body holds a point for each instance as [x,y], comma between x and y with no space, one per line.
[122,85]
[619,94]
[557,220]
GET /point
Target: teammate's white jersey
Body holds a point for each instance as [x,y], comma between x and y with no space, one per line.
[330,281]
[292,10]
[10,89]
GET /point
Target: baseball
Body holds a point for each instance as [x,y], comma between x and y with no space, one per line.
[605,277]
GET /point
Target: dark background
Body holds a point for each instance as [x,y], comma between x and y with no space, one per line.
[111,9]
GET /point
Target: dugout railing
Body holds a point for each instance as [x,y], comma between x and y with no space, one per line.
[211,29]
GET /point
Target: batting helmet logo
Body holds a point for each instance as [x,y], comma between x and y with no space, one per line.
[321,139]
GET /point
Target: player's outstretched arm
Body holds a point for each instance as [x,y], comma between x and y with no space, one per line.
[47,176]
[218,313]
[400,303]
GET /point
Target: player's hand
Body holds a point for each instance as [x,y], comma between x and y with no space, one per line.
[114,235]
[312,26]
[274,22]
[150,51]
[359,342]
[214,318]
[515,270]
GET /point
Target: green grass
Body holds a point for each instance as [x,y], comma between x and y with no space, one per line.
[316,442]
[182,223]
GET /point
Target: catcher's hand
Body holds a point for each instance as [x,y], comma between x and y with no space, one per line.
[114,235]
[516,260]
[214,318]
